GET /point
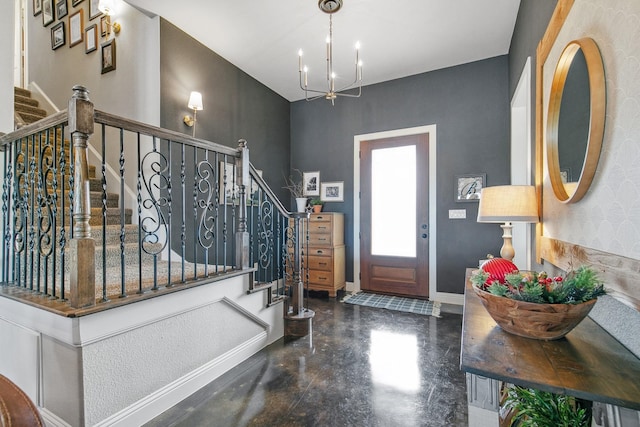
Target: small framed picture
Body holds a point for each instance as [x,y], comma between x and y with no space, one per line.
[311,183]
[104,26]
[91,38]
[94,12]
[57,35]
[108,56]
[47,12]
[61,8]
[76,28]
[332,191]
[37,7]
[468,186]
[74,3]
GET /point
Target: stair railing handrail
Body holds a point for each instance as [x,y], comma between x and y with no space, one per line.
[80,119]
[114,120]
[33,128]
[269,192]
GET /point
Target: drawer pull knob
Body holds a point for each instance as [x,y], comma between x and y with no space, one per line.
[322,278]
[322,263]
[320,252]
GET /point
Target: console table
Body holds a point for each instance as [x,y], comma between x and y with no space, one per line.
[587,363]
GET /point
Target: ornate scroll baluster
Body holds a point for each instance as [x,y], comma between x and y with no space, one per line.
[63,231]
[30,201]
[21,211]
[47,186]
[6,209]
[205,171]
[155,182]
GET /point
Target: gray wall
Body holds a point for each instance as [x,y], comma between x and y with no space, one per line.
[470,106]
[235,104]
[532,21]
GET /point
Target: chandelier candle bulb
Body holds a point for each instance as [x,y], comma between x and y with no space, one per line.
[299,60]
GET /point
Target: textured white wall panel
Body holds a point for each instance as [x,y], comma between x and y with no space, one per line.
[608,217]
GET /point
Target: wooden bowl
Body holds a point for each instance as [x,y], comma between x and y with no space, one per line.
[531,320]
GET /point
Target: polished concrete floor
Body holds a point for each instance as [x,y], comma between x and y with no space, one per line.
[361,367]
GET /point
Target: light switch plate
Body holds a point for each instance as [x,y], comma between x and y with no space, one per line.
[457,213]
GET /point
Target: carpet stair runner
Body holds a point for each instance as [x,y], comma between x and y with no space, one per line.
[26,106]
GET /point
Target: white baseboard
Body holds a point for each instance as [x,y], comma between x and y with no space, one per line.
[153,405]
[51,419]
[448,298]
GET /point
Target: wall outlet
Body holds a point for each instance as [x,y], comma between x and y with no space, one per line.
[457,213]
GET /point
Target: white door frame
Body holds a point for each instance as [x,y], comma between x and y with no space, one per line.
[357,139]
[521,163]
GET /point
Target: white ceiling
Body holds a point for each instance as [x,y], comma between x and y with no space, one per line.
[398,38]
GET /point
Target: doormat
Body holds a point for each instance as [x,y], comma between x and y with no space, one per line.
[409,305]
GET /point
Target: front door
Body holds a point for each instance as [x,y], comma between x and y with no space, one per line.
[394,215]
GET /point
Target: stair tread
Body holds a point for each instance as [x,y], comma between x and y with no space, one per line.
[21,91]
[30,109]
[20,99]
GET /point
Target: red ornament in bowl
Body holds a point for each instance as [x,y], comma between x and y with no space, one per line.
[497,269]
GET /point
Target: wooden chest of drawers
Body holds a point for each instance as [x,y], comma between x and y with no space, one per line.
[326,254]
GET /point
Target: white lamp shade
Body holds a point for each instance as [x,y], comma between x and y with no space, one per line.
[195,101]
[106,6]
[508,203]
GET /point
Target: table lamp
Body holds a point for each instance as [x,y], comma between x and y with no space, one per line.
[507,204]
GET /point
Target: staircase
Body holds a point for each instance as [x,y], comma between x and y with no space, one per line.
[28,110]
[26,107]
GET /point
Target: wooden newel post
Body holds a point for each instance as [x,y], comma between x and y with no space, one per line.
[242,180]
[82,246]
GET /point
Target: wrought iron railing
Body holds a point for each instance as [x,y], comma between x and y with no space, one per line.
[175,210]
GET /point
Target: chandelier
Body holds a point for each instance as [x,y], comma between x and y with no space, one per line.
[330,7]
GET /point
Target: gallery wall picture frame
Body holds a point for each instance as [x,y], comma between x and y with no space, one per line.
[332,191]
[94,12]
[90,38]
[468,186]
[57,35]
[74,3]
[311,183]
[108,57]
[104,26]
[37,7]
[61,9]
[76,28]
[47,12]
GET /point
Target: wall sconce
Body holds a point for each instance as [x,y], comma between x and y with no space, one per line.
[507,204]
[107,7]
[195,103]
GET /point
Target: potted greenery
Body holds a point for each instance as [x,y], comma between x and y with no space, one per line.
[530,407]
[534,305]
[296,188]
[316,203]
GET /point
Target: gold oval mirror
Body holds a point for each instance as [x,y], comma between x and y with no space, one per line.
[575,123]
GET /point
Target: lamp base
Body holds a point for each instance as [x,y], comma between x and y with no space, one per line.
[507,251]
